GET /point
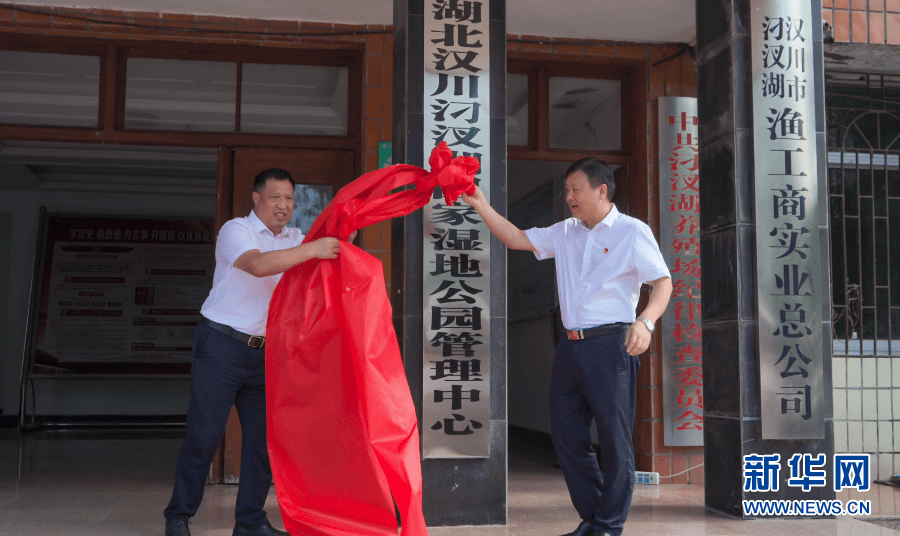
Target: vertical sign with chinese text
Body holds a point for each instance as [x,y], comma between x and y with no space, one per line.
[457,290]
[682,345]
[789,292]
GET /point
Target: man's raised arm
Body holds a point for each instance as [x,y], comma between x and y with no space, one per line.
[509,234]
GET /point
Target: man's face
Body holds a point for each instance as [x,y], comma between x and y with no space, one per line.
[583,201]
[275,204]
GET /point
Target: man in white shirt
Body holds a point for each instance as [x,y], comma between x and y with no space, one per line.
[228,361]
[602,258]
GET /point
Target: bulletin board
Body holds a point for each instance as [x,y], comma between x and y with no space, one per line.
[116,295]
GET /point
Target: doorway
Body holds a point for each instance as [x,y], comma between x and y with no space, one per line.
[536,198]
[318,174]
[556,114]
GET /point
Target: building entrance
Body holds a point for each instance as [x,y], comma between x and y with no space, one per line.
[319,174]
[556,115]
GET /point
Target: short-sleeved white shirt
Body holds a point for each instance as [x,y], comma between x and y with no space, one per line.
[599,271]
[238,299]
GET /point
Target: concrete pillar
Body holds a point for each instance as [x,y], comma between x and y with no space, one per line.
[458,491]
[728,254]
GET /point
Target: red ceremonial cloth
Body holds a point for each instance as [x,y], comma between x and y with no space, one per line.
[342,430]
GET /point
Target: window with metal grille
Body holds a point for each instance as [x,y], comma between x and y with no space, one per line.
[863,123]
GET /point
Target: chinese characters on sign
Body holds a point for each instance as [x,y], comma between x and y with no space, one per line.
[787,217]
[457,290]
[682,351]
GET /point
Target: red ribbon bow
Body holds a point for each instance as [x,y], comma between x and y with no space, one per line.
[453,175]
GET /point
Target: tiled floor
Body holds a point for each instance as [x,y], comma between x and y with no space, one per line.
[103,485]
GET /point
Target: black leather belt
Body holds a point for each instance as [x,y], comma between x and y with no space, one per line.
[253,341]
[605,329]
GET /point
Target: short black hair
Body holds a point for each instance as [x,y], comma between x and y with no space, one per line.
[598,172]
[259,183]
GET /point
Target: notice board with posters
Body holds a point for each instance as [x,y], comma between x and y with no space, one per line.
[118,295]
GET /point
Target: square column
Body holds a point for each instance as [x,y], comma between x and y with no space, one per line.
[457,490]
[733,366]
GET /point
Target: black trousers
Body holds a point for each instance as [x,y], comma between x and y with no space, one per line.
[225,372]
[595,379]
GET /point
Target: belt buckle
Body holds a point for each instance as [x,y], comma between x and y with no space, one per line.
[575,334]
[260,341]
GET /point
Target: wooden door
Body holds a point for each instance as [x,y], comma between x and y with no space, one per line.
[308,167]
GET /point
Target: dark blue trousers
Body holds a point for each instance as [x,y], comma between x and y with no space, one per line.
[595,379]
[224,373]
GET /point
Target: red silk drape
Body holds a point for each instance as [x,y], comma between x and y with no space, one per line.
[342,429]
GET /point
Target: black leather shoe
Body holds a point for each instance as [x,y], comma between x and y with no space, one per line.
[265,530]
[601,533]
[585,528]
[177,526]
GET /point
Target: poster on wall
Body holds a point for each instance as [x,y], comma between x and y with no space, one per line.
[121,295]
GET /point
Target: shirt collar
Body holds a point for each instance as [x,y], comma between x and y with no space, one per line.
[608,221]
[258,226]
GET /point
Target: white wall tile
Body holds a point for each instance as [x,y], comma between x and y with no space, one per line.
[870,404]
[839,371]
[854,372]
[885,466]
[895,394]
[840,436]
[885,437]
[869,373]
[885,404]
[897,436]
[895,371]
[840,404]
[896,470]
[854,437]
[854,405]
[873,470]
[884,371]
[870,436]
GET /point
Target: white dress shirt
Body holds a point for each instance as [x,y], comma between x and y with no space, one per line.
[599,271]
[238,299]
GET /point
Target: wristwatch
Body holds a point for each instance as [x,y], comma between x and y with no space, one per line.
[648,323]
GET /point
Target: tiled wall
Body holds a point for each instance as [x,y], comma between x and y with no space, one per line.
[864,21]
[378,114]
[867,389]
[674,78]
[867,410]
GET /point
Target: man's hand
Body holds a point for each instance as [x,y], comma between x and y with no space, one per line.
[639,336]
[476,200]
[325,248]
[638,339]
